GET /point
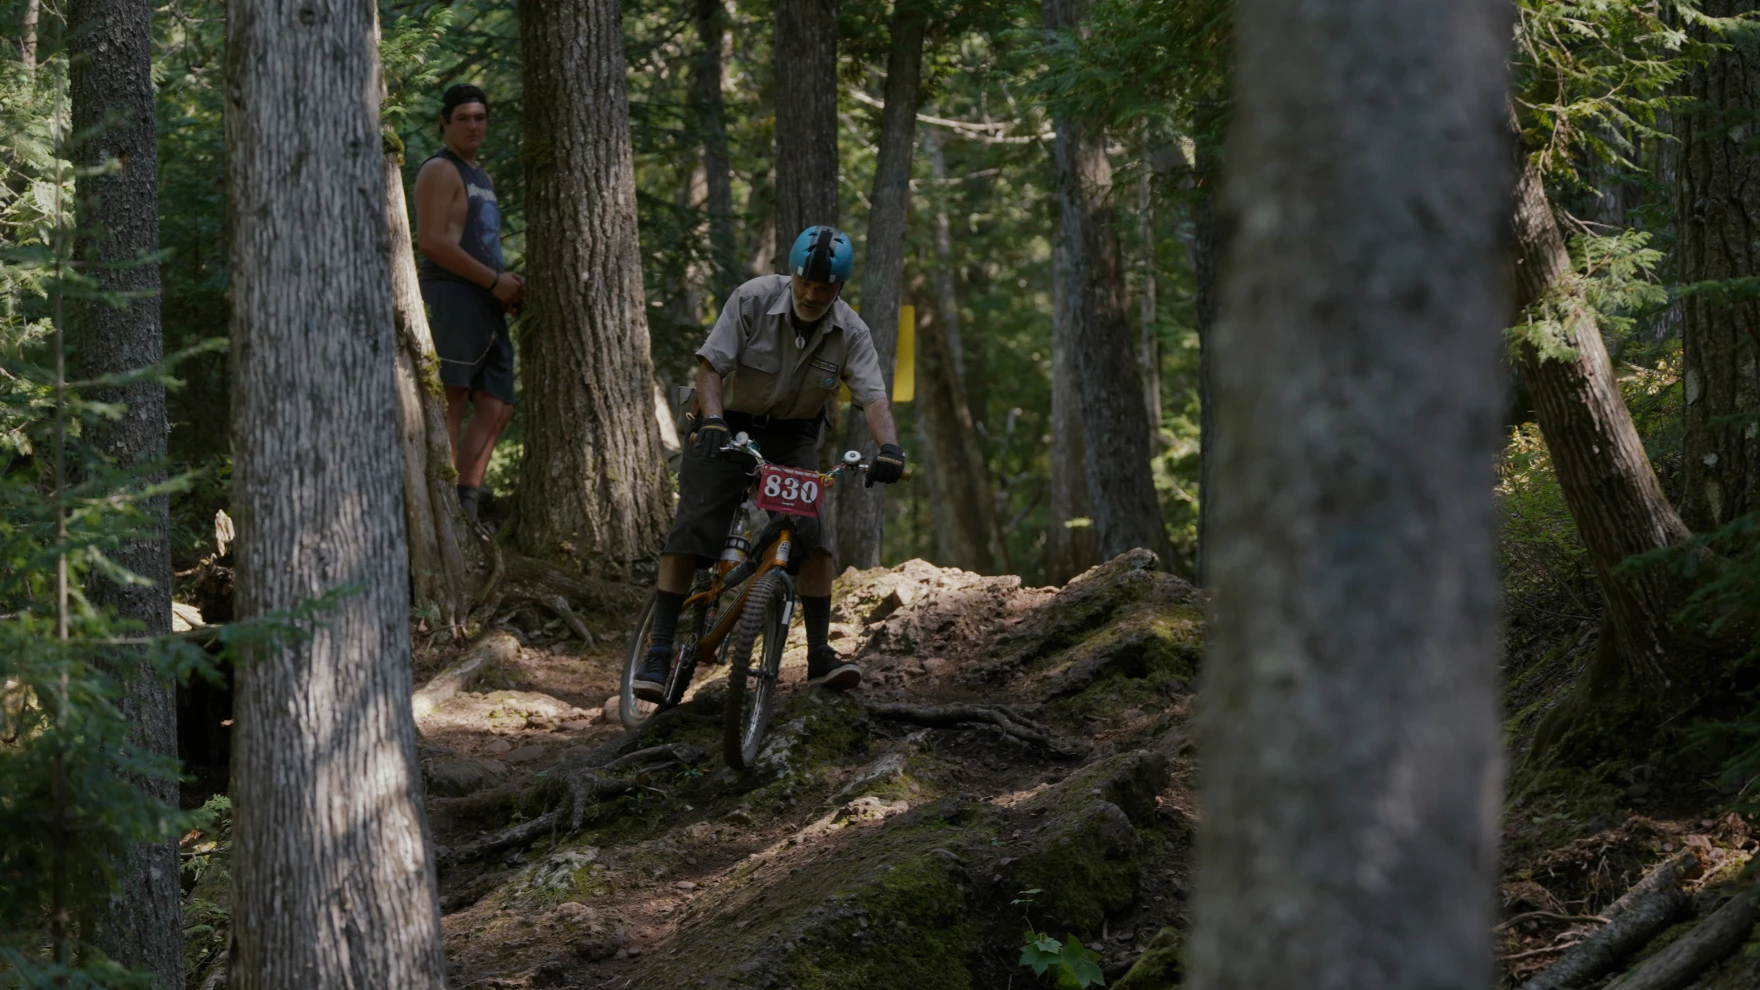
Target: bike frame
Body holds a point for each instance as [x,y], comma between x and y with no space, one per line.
[775,557]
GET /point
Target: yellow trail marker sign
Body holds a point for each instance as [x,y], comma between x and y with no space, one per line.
[904,376]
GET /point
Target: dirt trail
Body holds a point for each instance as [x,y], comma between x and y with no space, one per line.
[865,850]
[868,850]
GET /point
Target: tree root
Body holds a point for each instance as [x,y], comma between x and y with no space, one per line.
[1011,724]
[1709,941]
[493,647]
[557,604]
[1633,920]
[570,789]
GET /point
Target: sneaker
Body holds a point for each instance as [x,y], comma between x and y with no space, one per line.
[826,668]
[650,680]
[468,495]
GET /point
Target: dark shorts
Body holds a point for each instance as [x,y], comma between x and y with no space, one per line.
[470,336]
[709,492]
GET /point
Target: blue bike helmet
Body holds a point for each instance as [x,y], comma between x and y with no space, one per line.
[822,253]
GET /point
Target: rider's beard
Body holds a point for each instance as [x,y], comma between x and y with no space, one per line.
[805,312]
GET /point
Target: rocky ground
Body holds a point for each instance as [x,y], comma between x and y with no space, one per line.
[887,838]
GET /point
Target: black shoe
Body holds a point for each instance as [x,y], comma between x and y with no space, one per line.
[650,681]
[467,497]
[826,669]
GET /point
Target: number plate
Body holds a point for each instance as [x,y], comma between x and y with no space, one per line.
[790,490]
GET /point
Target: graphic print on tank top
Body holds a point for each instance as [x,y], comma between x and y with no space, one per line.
[481,238]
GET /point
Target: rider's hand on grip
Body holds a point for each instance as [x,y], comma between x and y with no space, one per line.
[711,436]
[888,465]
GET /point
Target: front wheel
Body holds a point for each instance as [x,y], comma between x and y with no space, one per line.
[751,686]
[634,712]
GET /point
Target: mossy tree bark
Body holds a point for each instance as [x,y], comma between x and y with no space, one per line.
[1210,247]
[965,508]
[111,85]
[444,561]
[710,109]
[1719,210]
[806,120]
[861,511]
[593,484]
[1606,477]
[333,868]
[1121,491]
[1069,549]
[1351,738]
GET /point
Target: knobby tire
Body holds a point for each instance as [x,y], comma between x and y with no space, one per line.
[743,729]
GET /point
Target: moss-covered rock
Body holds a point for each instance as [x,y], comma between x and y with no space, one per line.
[1161,966]
[1085,859]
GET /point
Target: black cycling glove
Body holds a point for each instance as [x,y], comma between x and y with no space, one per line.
[712,435]
[888,465]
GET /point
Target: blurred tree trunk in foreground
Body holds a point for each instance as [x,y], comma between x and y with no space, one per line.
[1351,742]
[333,867]
[1121,491]
[593,485]
[861,511]
[111,85]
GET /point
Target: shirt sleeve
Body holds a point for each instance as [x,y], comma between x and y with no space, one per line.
[862,368]
[721,350]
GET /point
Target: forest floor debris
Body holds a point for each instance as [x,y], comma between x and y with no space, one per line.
[1018,758]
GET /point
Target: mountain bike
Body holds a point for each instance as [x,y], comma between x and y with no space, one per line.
[741,606]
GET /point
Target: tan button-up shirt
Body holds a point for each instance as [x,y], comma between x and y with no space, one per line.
[768,367]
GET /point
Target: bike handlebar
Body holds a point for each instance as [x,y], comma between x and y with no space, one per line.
[852,459]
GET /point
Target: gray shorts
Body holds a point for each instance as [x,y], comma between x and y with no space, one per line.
[470,337]
[709,492]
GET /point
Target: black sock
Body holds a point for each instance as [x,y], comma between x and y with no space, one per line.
[817,611]
[467,497]
[667,605]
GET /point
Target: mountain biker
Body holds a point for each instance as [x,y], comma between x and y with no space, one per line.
[770,365]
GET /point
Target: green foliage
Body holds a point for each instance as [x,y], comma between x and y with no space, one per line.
[1070,963]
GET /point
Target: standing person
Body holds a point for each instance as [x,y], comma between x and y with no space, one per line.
[458,229]
[769,366]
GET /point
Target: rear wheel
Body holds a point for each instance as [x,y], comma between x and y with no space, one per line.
[754,661]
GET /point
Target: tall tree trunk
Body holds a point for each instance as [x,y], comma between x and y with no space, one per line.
[1121,490]
[1352,751]
[332,862]
[1148,335]
[444,560]
[111,85]
[27,38]
[861,511]
[1211,248]
[1069,549]
[1602,468]
[717,164]
[593,481]
[965,505]
[806,120]
[1719,213]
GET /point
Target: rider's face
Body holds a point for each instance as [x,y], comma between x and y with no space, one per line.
[812,299]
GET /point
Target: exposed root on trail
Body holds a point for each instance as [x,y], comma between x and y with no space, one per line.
[1708,942]
[1011,724]
[1629,923]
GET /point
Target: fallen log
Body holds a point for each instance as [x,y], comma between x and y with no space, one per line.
[1709,941]
[1009,723]
[1637,917]
[495,646]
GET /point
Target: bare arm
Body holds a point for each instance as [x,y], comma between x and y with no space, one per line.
[438,190]
[880,424]
[708,390]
